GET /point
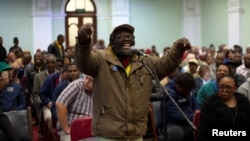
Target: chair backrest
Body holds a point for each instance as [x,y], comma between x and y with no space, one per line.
[22,123]
[81,128]
[196,121]
[157,112]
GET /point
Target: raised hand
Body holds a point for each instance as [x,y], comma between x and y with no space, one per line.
[183,43]
[84,33]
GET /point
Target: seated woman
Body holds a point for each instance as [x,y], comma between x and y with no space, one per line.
[180,89]
[226,113]
[12,97]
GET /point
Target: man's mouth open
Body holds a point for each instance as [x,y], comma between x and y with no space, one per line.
[126,46]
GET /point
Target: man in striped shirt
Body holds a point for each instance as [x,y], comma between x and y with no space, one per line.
[75,101]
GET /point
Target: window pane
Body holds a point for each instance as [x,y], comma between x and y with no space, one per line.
[85,5]
[71,6]
[73,20]
[80,4]
[87,20]
[89,6]
[73,28]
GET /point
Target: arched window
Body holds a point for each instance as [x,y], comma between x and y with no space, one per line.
[79,12]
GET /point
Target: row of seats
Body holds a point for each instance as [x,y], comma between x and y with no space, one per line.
[22,122]
[81,127]
[156,113]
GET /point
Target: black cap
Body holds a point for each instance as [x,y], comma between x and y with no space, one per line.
[127,27]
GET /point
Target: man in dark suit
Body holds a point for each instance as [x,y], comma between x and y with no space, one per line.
[39,78]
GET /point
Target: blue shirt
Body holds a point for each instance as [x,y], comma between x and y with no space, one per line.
[188,104]
[12,98]
[58,89]
[48,87]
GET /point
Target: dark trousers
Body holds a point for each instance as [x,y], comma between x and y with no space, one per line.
[179,132]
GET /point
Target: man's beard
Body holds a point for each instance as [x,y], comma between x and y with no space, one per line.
[120,52]
[123,53]
[247,65]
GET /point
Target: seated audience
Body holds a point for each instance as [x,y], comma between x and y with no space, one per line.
[193,66]
[99,45]
[180,89]
[33,68]
[202,79]
[238,59]
[212,87]
[168,78]
[239,78]
[244,69]
[245,88]
[73,74]
[225,113]
[46,93]
[12,97]
[39,78]
[210,60]
[219,59]
[6,127]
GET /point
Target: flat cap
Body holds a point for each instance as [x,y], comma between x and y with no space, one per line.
[126,27]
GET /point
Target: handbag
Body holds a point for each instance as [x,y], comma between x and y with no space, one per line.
[81,128]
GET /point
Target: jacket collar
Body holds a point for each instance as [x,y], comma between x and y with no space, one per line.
[112,58]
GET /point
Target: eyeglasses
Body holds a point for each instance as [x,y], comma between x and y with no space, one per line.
[125,35]
[225,87]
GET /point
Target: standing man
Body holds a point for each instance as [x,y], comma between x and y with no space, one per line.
[16,46]
[57,47]
[122,85]
[3,52]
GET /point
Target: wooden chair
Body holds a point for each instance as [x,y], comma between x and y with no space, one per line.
[155,117]
[81,128]
[22,123]
[196,121]
[153,121]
